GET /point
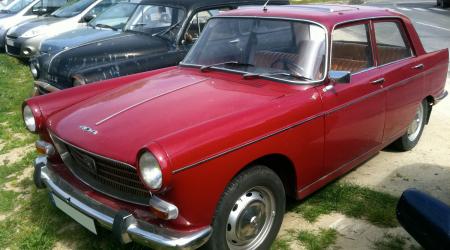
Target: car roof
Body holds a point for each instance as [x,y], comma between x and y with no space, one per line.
[326,14]
[198,4]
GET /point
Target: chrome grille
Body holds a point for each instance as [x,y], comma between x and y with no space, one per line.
[107,176]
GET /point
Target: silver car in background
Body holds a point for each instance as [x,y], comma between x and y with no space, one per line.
[20,11]
[24,40]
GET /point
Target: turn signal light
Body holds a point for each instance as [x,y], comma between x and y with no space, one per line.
[45,148]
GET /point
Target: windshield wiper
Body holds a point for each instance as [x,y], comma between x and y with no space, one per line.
[163,32]
[232,63]
[290,74]
[101,25]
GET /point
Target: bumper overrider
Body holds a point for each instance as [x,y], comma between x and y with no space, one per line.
[124,225]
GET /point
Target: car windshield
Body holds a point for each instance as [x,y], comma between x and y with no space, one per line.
[156,20]
[114,17]
[4,3]
[16,6]
[287,50]
[73,8]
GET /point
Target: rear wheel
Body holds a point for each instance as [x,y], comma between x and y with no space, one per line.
[410,139]
[445,3]
[250,212]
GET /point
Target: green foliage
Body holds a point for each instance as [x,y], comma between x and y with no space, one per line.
[317,241]
[353,201]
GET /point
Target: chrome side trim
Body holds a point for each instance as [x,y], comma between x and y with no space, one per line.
[324,113]
[154,236]
[249,143]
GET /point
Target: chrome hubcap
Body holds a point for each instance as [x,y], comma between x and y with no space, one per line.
[250,219]
[416,124]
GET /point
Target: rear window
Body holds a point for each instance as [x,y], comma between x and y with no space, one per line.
[392,44]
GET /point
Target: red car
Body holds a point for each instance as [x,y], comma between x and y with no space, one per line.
[270,102]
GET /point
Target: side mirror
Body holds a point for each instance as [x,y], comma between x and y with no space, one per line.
[340,76]
[39,11]
[87,18]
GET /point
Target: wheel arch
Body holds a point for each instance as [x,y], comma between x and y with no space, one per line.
[431,101]
[282,166]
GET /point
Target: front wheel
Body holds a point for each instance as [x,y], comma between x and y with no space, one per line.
[410,139]
[250,212]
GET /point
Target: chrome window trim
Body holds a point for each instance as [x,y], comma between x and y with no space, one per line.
[325,73]
[369,41]
[413,55]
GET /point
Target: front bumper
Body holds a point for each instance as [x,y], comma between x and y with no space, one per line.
[441,97]
[21,47]
[125,226]
[42,88]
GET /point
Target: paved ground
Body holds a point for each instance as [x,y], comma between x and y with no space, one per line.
[426,167]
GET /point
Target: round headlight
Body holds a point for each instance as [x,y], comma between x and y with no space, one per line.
[28,118]
[150,171]
[34,70]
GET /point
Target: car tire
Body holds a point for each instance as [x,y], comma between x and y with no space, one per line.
[250,211]
[412,136]
[445,3]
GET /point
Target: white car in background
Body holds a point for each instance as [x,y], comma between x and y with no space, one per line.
[25,40]
[20,11]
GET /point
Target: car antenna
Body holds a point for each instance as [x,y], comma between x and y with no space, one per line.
[265,6]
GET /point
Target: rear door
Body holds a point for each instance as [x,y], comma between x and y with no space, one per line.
[403,78]
[354,112]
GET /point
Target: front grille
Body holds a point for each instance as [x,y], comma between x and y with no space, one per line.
[107,176]
[13,50]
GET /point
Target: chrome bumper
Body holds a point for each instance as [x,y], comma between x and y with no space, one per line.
[44,86]
[125,226]
[441,96]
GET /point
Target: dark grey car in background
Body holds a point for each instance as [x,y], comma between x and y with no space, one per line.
[158,35]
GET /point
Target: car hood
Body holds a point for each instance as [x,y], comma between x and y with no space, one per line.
[5,15]
[109,50]
[39,21]
[75,38]
[154,109]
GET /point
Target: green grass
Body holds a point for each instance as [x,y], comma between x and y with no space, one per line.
[392,242]
[16,85]
[280,244]
[351,200]
[317,241]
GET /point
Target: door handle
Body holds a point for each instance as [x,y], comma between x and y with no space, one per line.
[418,66]
[378,81]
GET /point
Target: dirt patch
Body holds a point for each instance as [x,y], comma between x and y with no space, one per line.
[13,185]
[63,245]
[15,155]
[352,233]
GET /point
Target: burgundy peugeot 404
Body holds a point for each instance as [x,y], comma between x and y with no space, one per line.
[270,102]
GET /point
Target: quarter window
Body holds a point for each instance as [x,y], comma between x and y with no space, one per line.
[392,44]
[351,48]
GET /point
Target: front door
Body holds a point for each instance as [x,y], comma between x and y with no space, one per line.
[354,112]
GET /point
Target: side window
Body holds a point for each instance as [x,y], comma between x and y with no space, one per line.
[46,6]
[102,6]
[198,23]
[392,44]
[351,49]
